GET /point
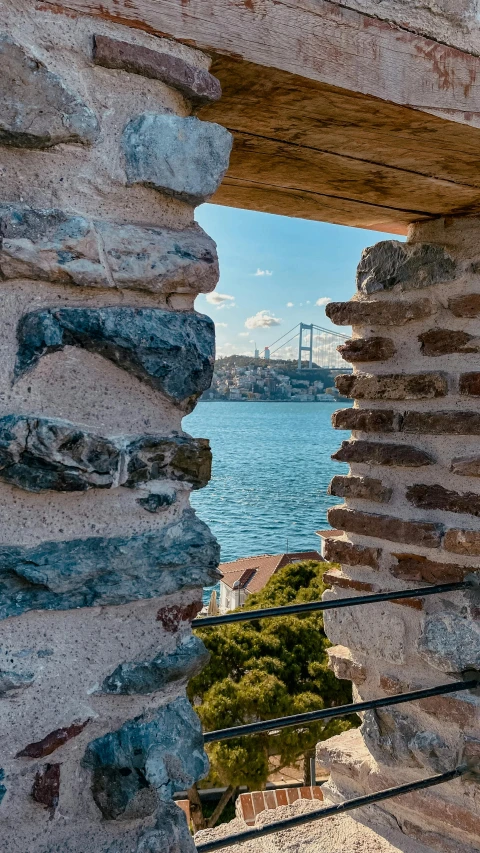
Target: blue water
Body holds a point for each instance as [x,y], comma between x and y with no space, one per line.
[271,469]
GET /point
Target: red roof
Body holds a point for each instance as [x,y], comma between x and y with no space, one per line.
[253,573]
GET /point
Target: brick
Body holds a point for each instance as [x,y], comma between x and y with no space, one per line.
[469,384]
[317,793]
[344,666]
[392,686]
[376,453]
[367,420]
[451,710]
[414,567]
[445,341]
[282,799]
[197,84]
[377,313]
[258,802]
[404,266]
[465,306]
[270,800]
[367,349]
[184,805]
[46,787]
[437,497]
[413,603]
[353,555]
[462,542]
[306,793]
[334,577]
[172,615]
[244,807]
[293,795]
[393,386]
[466,467]
[423,533]
[365,488]
[441,423]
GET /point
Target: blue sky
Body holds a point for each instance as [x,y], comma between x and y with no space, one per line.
[273,272]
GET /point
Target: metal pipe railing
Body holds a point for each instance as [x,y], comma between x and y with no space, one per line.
[339,711]
[329,811]
[313,606]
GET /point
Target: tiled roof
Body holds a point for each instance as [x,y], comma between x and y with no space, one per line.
[252,573]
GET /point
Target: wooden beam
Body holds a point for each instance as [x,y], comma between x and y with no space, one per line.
[318,40]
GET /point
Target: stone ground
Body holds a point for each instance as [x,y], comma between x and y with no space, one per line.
[339,834]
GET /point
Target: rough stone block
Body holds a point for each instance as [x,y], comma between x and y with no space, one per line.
[393,386]
[339,551]
[341,660]
[146,760]
[450,642]
[377,313]
[469,384]
[62,248]
[171,351]
[336,578]
[465,542]
[441,423]
[376,453]
[367,349]
[421,533]
[445,341]
[365,488]
[367,420]
[466,467]
[145,677]
[393,738]
[37,454]
[170,835]
[465,306]
[382,637]
[36,108]
[405,266]
[437,497]
[415,567]
[196,84]
[182,157]
[88,572]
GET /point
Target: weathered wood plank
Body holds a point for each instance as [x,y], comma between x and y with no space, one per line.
[327,43]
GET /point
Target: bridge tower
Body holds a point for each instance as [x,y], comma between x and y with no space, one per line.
[304,327]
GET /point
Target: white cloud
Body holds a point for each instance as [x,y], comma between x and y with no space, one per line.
[263,272]
[324,300]
[262,320]
[221,325]
[307,302]
[221,300]
[289,304]
[243,334]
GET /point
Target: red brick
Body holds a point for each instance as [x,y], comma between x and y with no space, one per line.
[465,542]
[367,349]
[306,793]
[337,551]
[393,386]
[334,577]
[414,567]
[258,801]
[282,799]
[465,306]
[469,384]
[414,603]
[52,741]
[197,84]
[246,808]
[363,488]
[377,313]
[383,453]
[424,533]
[445,341]
[270,800]
[317,793]
[437,497]
[441,423]
[367,420]
[293,795]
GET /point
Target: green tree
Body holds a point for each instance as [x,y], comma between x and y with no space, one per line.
[264,669]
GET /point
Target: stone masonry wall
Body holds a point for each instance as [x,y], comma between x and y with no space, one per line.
[102,560]
[411,518]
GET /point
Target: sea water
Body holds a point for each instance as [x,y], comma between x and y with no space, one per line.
[271,470]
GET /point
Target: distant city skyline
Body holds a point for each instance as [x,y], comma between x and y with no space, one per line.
[276,272]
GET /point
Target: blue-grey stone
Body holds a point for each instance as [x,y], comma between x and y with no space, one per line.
[450,642]
[63,248]
[145,677]
[183,157]
[404,266]
[14,681]
[161,755]
[37,454]
[3,789]
[101,570]
[171,834]
[172,351]
[36,108]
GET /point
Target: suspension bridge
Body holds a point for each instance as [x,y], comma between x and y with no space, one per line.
[314,345]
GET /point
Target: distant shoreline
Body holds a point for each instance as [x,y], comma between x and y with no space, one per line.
[341,400]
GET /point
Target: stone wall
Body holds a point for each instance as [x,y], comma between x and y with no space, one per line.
[102,561]
[411,518]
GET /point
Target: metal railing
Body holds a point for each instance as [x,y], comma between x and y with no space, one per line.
[470,682]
